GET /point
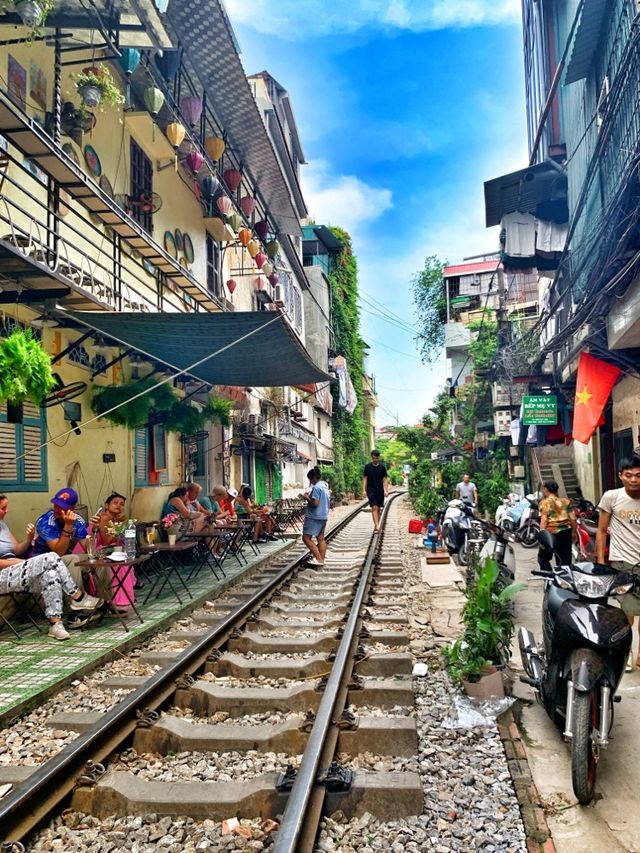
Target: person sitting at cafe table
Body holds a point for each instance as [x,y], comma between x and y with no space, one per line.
[191,521]
[196,501]
[221,512]
[245,506]
[227,503]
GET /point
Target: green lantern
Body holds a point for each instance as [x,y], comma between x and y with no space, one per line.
[154,101]
[272,248]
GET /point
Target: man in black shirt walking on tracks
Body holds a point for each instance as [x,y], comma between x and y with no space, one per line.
[375,485]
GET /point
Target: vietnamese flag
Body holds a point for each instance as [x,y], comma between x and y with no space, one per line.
[595,380]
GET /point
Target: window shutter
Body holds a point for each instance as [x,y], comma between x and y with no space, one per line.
[33,457]
[141,456]
[8,453]
[159,449]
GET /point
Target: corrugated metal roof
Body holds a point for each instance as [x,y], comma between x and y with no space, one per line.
[522,190]
[470,268]
[587,38]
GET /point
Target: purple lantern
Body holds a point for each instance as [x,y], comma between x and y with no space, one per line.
[247,205]
[191,109]
[261,228]
[194,161]
[274,278]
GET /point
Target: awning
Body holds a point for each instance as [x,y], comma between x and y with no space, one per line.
[587,39]
[523,191]
[260,348]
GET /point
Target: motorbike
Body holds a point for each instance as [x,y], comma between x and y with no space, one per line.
[505,505]
[498,546]
[575,675]
[456,526]
[523,521]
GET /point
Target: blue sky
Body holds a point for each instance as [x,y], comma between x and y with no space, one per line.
[404,107]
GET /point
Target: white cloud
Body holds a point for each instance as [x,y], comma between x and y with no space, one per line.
[342,200]
[296,20]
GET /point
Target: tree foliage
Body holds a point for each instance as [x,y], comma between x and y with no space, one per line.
[431,307]
[348,429]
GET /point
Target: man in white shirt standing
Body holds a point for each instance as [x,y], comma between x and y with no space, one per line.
[466,490]
[620,518]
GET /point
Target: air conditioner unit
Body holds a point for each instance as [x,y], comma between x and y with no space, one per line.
[278,295]
[252,420]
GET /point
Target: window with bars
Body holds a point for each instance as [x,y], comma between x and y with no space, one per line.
[23,468]
[141,186]
[213,267]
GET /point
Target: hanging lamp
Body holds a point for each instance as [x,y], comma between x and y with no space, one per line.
[129,61]
[260,259]
[175,134]
[154,101]
[225,205]
[168,62]
[247,205]
[244,235]
[191,109]
[261,228]
[232,178]
[231,285]
[272,248]
[253,247]
[214,146]
[235,221]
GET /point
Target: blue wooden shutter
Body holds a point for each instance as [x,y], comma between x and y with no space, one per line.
[141,457]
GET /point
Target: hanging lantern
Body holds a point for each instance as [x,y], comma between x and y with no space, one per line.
[168,62]
[214,146]
[210,185]
[274,278]
[217,228]
[154,101]
[194,161]
[244,235]
[267,268]
[231,285]
[225,205]
[272,248]
[247,205]
[191,109]
[129,59]
[259,283]
[261,228]
[232,178]
[253,247]
[235,221]
[259,259]
[175,134]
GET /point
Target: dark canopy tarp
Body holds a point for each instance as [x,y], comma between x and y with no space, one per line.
[262,349]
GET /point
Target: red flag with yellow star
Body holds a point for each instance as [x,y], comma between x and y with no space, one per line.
[595,380]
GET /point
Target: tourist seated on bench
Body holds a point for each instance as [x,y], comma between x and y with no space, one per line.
[44,575]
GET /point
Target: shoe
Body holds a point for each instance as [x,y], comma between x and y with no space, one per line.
[314,562]
[272,538]
[87,602]
[59,632]
[630,665]
[76,620]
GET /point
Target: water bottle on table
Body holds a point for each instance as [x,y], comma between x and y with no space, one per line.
[130,540]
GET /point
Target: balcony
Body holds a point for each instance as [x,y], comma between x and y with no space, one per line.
[456,336]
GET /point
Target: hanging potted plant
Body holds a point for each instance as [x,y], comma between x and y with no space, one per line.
[32,13]
[128,412]
[96,87]
[25,369]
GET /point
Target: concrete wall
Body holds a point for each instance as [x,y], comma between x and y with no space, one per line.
[587,464]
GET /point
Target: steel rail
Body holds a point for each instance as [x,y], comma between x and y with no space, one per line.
[296,818]
[25,808]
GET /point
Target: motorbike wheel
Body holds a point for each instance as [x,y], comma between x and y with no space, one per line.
[529,535]
[584,759]
[463,552]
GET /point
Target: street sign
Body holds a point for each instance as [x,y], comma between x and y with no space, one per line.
[540,411]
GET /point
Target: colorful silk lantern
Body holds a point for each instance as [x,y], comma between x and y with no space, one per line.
[214,146]
[244,235]
[210,186]
[247,205]
[231,285]
[274,278]
[259,283]
[129,59]
[175,134]
[191,109]
[194,161]
[260,259]
[253,247]
[168,62]
[225,205]
[261,228]
[232,178]
[267,268]
[272,248]
[154,100]
[235,221]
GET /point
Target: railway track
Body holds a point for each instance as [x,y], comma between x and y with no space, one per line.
[297,667]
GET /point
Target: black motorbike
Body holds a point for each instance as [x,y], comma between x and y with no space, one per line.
[577,673]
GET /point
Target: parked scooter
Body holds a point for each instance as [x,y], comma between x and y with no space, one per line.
[499,547]
[577,673]
[505,505]
[455,526]
[523,520]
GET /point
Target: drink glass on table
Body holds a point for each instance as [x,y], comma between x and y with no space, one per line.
[150,535]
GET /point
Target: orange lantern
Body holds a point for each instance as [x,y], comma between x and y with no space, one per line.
[175,134]
[215,147]
[244,235]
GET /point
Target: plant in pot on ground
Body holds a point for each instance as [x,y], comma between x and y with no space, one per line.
[488,628]
[97,87]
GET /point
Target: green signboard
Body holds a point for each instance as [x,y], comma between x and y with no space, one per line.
[540,411]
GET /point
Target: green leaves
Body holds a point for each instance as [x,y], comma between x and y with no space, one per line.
[431,306]
[25,369]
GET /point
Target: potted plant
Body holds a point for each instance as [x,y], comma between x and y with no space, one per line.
[474,658]
[25,369]
[171,523]
[97,87]
[76,120]
[32,13]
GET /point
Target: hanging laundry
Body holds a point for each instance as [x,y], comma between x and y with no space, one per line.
[550,236]
[520,234]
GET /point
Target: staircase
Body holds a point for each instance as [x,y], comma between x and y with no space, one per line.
[555,463]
